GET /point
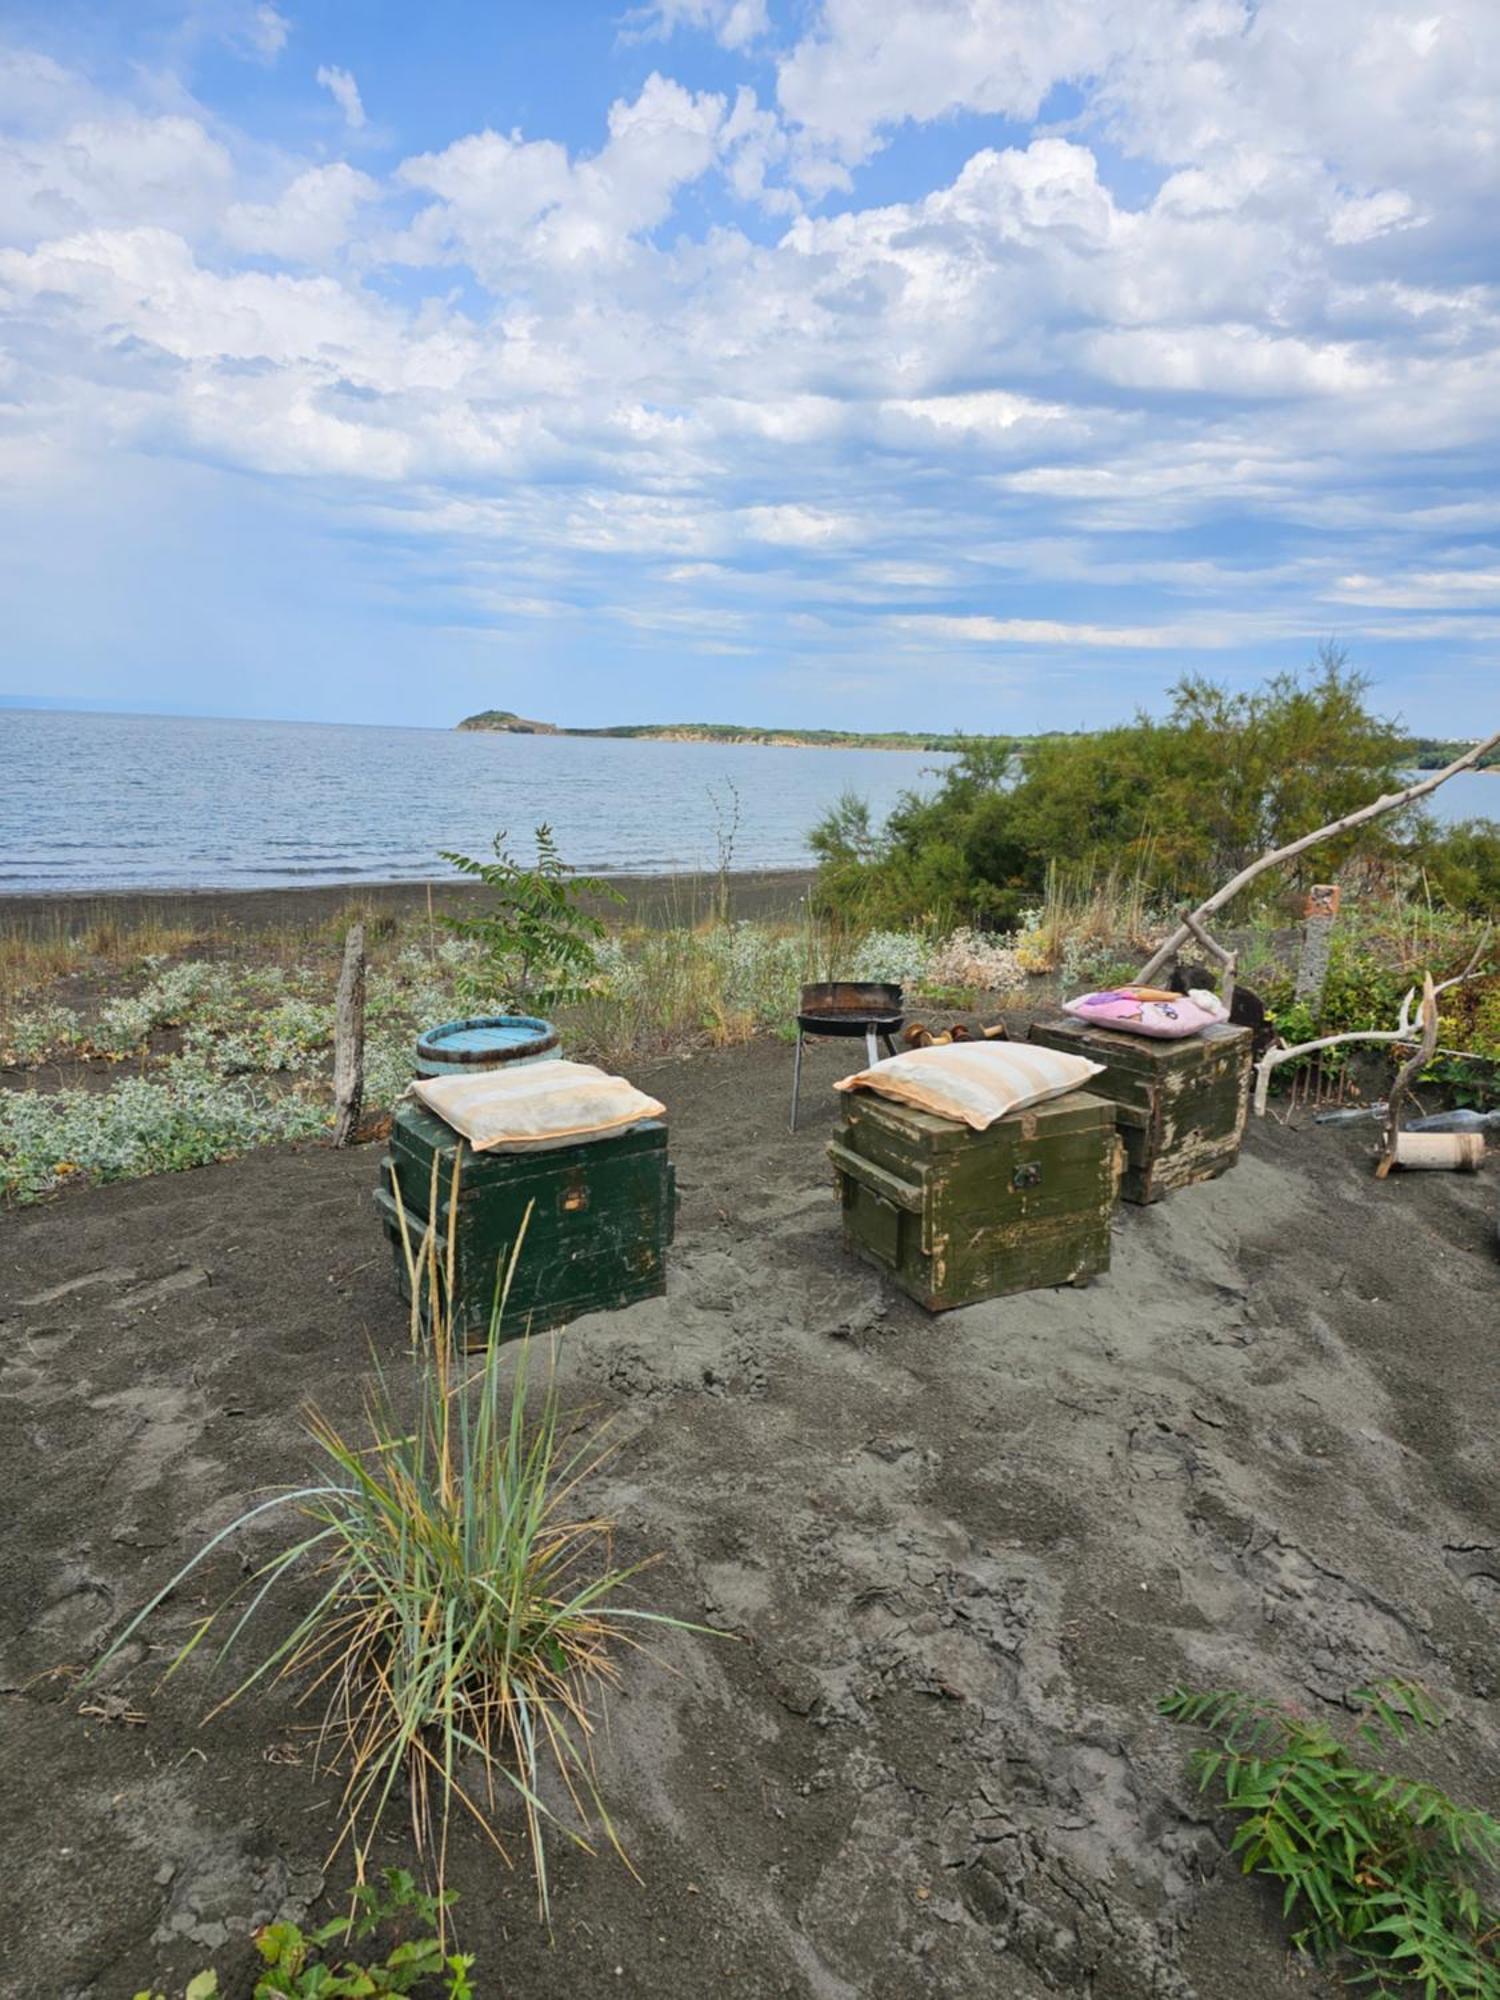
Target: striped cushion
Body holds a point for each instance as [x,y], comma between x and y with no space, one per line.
[533,1104]
[975,1082]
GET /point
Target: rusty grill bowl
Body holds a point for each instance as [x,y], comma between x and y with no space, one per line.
[850,1007]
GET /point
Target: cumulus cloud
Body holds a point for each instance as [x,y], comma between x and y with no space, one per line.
[311,218]
[970,416]
[500,197]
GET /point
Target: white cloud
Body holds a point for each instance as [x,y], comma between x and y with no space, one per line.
[794,526]
[262,32]
[986,631]
[312,217]
[1035,370]
[115,169]
[344,91]
[734,23]
[501,198]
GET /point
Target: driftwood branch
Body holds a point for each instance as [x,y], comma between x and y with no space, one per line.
[1407,1075]
[1228,959]
[1391,802]
[1404,1031]
[349,1039]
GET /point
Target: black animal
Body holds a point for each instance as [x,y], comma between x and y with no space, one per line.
[1246,1010]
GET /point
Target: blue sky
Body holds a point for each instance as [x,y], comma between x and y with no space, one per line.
[945,363]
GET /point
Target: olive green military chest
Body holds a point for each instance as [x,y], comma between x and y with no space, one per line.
[953,1215]
[1181,1105]
[601,1216]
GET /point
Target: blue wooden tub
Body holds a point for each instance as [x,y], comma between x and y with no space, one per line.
[487,1042]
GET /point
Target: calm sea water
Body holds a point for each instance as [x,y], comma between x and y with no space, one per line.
[142,802]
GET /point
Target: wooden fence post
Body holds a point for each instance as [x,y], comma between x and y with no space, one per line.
[349,1039]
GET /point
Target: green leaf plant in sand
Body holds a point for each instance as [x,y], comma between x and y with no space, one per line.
[538,944]
[316,1965]
[1387,1873]
[461,1638]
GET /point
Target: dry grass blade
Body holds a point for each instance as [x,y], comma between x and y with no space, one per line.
[466,1625]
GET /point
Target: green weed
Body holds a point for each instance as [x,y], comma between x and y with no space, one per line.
[461,1637]
[1381,1870]
[311,1965]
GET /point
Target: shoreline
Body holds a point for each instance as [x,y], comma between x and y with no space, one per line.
[656,901]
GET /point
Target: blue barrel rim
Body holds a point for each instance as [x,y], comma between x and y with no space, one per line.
[431,1046]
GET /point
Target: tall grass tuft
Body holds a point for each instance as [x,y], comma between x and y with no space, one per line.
[466,1611]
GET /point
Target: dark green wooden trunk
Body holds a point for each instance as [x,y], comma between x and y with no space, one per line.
[955,1215]
[602,1215]
[1181,1105]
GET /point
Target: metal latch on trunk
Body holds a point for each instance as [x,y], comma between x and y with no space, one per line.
[1026,1174]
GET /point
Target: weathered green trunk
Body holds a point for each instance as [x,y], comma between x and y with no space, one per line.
[954,1215]
[1181,1105]
[601,1215]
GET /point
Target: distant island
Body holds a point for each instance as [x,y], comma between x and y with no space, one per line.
[505,722]
[1426,753]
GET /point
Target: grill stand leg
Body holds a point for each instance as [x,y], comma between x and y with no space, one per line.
[872,1047]
[796,1079]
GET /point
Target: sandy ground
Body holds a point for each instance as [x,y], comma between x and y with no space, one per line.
[960,1558]
[759,894]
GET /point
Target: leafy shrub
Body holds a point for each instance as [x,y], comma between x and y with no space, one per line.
[1177,805]
[464,1613]
[1387,1871]
[33,1037]
[902,956]
[183,1118]
[536,943]
[303,1965]
[1463,865]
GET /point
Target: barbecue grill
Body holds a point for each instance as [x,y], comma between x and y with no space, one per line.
[850,1008]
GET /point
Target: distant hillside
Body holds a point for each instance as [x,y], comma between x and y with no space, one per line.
[503,720]
[506,719]
[1431,753]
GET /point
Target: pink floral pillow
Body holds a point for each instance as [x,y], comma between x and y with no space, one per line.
[1148,1010]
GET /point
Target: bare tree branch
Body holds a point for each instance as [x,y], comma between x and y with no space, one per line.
[1407,1075]
[1391,802]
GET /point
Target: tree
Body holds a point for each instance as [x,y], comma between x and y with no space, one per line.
[537,943]
[1179,803]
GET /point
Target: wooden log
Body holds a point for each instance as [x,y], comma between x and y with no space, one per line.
[1459,1152]
[1390,802]
[349,1039]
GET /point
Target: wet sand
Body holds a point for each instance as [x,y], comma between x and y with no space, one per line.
[960,1560]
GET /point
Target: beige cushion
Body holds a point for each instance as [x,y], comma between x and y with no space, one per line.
[535,1103]
[976,1082]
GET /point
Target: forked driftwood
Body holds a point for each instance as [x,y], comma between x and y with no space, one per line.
[1405,1030]
[1228,959]
[1407,1075]
[1194,923]
[349,1039]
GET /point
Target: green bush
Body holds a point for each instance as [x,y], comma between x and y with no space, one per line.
[1383,1871]
[1463,866]
[1179,804]
[537,945]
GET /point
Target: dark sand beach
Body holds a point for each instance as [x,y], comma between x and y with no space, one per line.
[760,895]
[959,1560]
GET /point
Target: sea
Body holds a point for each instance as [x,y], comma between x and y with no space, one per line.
[97,802]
